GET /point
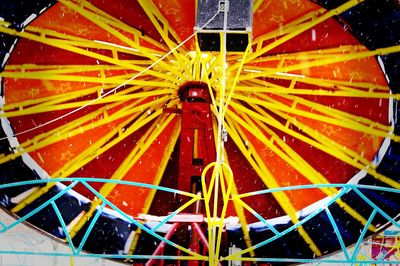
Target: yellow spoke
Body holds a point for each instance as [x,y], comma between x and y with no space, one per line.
[264,117]
[275,105]
[232,82]
[75,128]
[327,110]
[163,28]
[64,69]
[287,28]
[61,44]
[39,35]
[55,99]
[87,43]
[102,22]
[160,172]
[329,14]
[290,156]
[116,80]
[306,64]
[73,105]
[345,85]
[118,24]
[338,114]
[91,153]
[257,4]
[337,92]
[143,144]
[82,120]
[82,70]
[167,154]
[325,53]
[259,166]
[44,102]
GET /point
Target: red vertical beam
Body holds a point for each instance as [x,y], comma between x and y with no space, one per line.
[197,146]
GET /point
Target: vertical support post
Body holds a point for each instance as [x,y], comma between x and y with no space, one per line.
[197,146]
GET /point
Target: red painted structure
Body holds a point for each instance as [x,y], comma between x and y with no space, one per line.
[197,146]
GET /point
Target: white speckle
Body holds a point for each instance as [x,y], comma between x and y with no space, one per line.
[313,35]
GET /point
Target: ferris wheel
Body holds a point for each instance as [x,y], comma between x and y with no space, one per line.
[201,132]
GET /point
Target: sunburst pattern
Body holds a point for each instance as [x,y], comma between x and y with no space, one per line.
[89,85]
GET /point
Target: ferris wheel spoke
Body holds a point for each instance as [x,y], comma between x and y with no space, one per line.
[292,89]
[77,48]
[327,83]
[80,46]
[287,28]
[269,180]
[257,4]
[338,114]
[98,147]
[289,63]
[66,101]
[112,48]
[263,116]
[99,77]
[85,123]
[138,36]
[109,26]
[168,34]
[297,31]
[282,150]
[317,54]
[319,113]
[14,104]
[141,147]
[295,160]
[263,86]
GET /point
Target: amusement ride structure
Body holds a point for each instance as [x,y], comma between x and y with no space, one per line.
[201,132]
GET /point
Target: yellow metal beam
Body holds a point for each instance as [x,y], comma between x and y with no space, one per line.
[274,105]
[257,163]
[340,155]
[87,43]
[345,85]
[119,25]
[257,4]
[116,80]
[238,208]
[306,64]
[164,29]
[88,71]
[78,104]
[102,22]
[75,128]
[63,41]
[287,28]
[310,54]
[92,152]
[149,200]
[320,92]
[304,27]
[284,151]
[143,144]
